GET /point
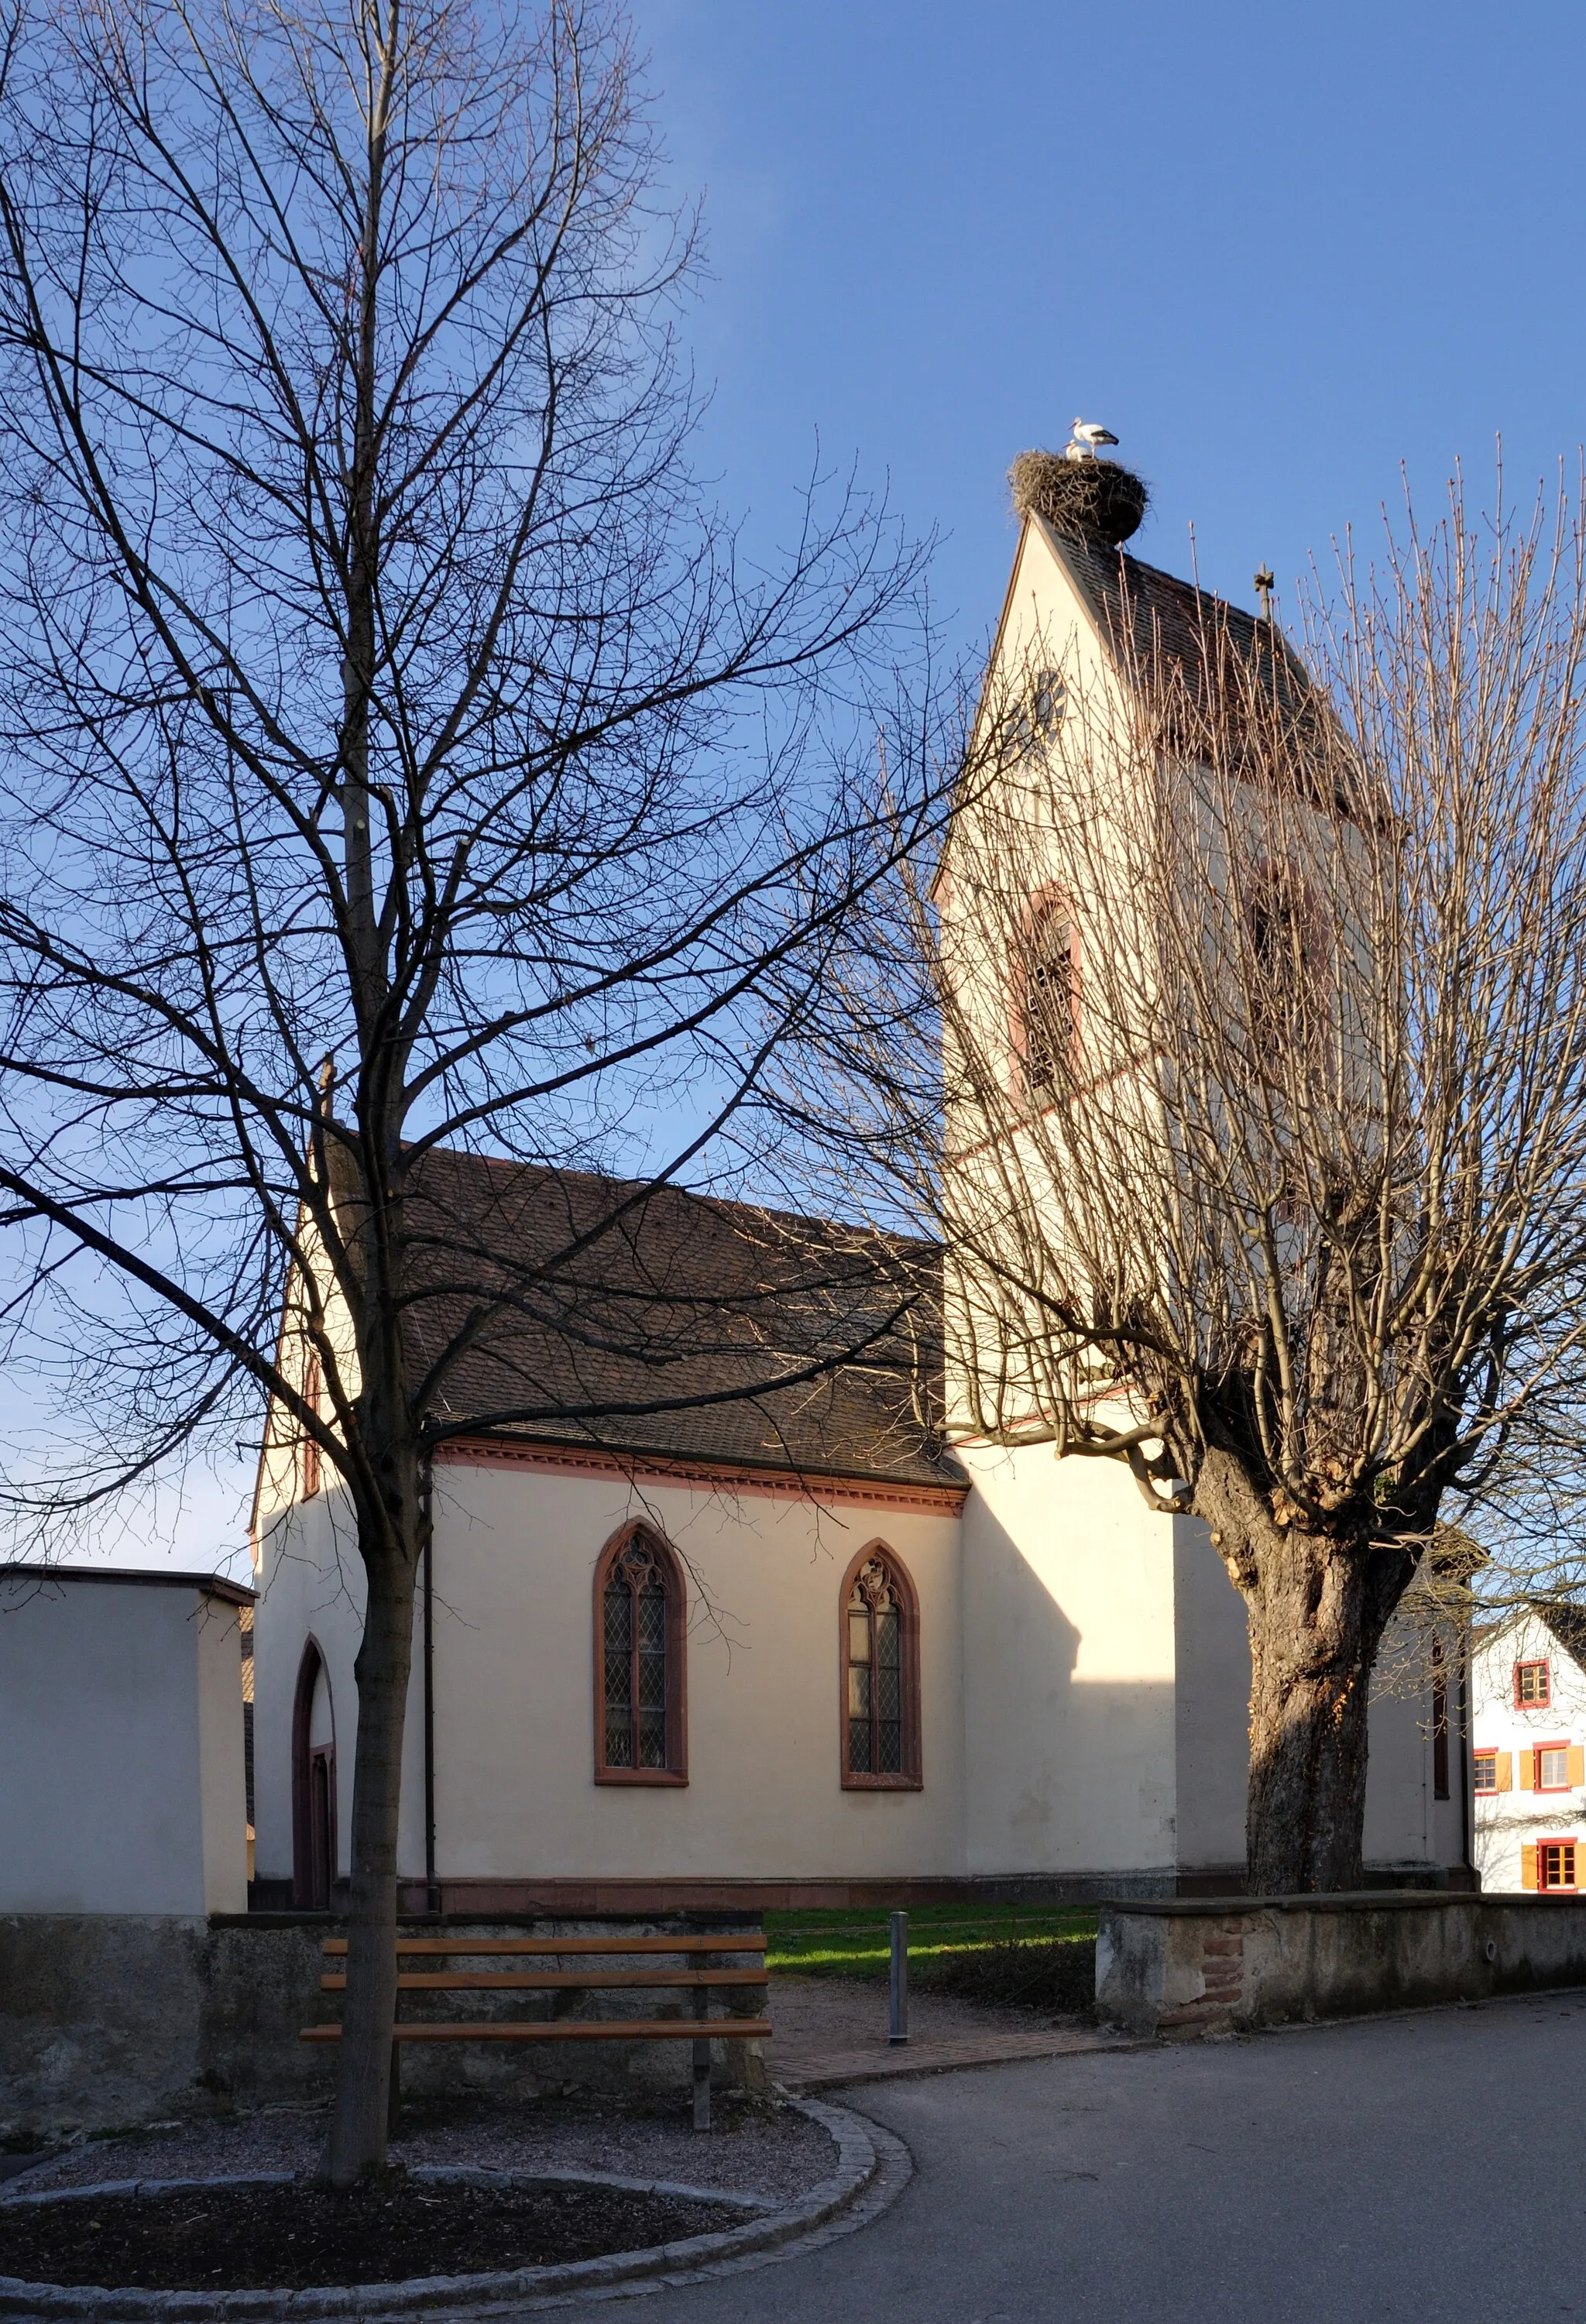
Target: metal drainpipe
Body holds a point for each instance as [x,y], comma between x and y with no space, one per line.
[1466,1834]
[431,1886]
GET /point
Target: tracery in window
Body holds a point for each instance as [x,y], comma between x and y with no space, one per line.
[639,1662]
[881,1675]
[1036,712]
[1049,1010]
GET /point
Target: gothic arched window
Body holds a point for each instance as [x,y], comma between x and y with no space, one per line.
[881,1675]
[1047,976]
[640,1734]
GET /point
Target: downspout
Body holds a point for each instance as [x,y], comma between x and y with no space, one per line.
[431,1886]
[1466,1796]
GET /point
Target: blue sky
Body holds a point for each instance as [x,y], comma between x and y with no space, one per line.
[1280,250]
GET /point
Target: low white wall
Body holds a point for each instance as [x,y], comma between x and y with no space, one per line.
[1190,1970]
[122,1785]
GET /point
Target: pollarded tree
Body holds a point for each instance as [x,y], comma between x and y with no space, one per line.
[1259,1146]
[373,689]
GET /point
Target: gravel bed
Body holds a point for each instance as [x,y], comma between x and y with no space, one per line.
[754,2147]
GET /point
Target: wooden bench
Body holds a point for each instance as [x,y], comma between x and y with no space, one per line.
[697,1979]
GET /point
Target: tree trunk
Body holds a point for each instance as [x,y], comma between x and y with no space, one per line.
[363,2085]
[1316,1608]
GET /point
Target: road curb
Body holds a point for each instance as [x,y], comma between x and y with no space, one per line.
[871,2168]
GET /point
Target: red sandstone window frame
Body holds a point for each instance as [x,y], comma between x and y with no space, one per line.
[1543,1702]
[668,1565]
[910,1776]
[1483,1791]
[1049,904]
[311,1466]
[1537,1782]
[1571,1887]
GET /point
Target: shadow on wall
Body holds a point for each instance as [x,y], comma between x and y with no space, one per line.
[1067,1771]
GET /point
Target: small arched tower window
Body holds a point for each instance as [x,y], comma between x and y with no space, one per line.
[639,1728]
[1047,978]
[881,1675]
[1284,961]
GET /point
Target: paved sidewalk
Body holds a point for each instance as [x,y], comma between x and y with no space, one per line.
[831,2032]
[1424,2167]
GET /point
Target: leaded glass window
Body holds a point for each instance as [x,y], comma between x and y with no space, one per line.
[879,1710]
[637,1647]
[1049,995]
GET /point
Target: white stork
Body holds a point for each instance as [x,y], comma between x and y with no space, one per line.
[1087,435]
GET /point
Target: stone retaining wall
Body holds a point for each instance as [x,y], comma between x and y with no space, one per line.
[108,2019]
[1192,1966]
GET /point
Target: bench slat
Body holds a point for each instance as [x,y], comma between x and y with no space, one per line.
[751,1941]
[633,2029]
[546,1980]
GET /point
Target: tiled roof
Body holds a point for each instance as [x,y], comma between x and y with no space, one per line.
[1568,1623]
[581,1309]
[1156,610]
[1170,631]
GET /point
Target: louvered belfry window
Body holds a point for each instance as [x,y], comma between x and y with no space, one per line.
[881,1662]
[641,1654]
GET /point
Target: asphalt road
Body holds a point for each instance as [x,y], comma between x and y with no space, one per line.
[1430,2167]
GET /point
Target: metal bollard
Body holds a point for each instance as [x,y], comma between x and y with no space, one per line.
[898,1997]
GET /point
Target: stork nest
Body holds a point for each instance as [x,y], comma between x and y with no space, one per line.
[1089,500]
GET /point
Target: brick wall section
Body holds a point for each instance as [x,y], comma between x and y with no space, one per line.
[1221,1965]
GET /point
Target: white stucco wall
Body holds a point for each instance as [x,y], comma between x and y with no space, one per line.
[515,1555]
[310,1586]
[1212,1701]
[514,1676]
[121,1748]
[1085,1680]
[1069,1665]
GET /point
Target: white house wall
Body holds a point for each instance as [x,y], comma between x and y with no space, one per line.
[1516,1817]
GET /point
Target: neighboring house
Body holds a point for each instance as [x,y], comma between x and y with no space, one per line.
[784,1649]
[1528,1750]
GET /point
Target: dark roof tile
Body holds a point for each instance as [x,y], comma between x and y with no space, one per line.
[576,1308]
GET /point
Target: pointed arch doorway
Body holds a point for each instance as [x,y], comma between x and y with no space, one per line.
[313,1784]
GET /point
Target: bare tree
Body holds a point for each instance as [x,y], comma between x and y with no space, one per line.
[1258,1146]
[374,689]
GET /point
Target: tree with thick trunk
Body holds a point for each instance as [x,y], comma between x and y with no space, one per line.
[1259,1144]
[401,757]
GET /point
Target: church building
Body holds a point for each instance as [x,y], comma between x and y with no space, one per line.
[787,1648]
